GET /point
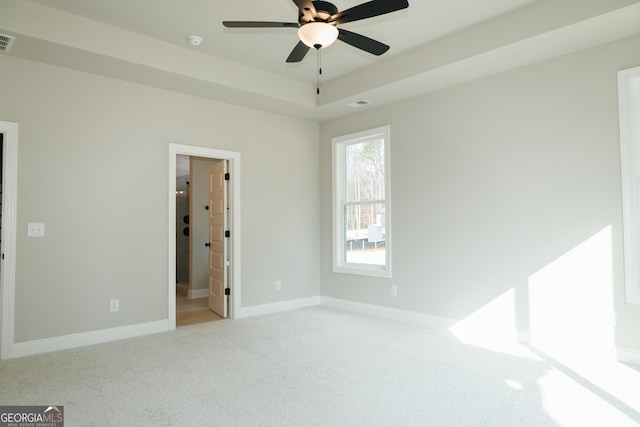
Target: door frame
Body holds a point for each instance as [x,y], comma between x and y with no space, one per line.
[8,245]
[233,159]
[629,107]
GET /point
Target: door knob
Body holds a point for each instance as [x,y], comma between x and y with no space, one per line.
[208,244]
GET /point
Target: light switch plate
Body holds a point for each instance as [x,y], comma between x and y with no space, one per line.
[35,229]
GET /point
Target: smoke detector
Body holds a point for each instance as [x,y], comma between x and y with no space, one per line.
[195,40]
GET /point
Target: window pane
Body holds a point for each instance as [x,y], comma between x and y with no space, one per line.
[364,171]
[364,234]
[362,214]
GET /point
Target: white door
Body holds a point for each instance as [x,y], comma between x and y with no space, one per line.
[217,240]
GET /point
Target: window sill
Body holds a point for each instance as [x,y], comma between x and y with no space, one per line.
[364,270]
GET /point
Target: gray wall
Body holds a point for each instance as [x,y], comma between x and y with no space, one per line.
[93,166]
[496,183]
[492,182]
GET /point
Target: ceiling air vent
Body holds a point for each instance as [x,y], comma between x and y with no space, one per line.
[357,104]
[6,42]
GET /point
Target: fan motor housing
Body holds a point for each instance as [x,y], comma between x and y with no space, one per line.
[324,9]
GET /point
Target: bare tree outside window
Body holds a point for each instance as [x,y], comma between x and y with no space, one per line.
[364,202]
[361,203]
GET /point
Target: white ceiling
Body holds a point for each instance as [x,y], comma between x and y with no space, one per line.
[267,49]
[434,44]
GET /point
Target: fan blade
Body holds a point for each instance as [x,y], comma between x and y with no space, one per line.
[306,8]
[362,42]
[258,24]
[298,52]
[368,10]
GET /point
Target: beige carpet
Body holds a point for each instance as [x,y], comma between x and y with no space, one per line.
[312,367]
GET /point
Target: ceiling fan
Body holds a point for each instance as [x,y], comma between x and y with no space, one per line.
[318,21]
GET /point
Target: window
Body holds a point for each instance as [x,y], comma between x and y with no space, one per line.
[361,209]
[629,110]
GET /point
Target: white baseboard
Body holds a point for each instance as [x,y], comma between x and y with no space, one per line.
[198,293]
[625,355]
[277,307]
[64,342]
[388,313]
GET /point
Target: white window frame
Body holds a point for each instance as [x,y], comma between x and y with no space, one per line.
[629,111]
[339,145]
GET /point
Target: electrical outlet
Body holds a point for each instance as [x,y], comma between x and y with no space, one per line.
[278,285]
[114,305]
[35,229]
[394,290]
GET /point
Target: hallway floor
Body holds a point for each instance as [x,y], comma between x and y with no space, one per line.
[192,311]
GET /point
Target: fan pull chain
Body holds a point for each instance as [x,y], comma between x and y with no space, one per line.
[319,60]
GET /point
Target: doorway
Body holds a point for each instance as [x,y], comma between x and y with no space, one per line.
[204,155]
[195,247]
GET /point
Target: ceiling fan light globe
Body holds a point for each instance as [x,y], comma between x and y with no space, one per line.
[316,34]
